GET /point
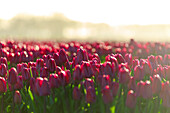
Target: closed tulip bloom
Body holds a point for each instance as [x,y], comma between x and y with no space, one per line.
[135,63]
[3,70]
[131,99]
[19,67]
[147,93]
[107,95]
[90,95]
[128,58]
[54,81]
[105,81]
[167,72]
[39,64]
[120,58]
[44,72]
[124,76]
[58,69]
[147,69]
[88,83]
[76,93]
[51,65]
[164,94]
[152,61]
[63,56]
[140,89]
[26,74]
[42,86]
[34,72]
[77,76]
[108,70]
[86,70]
[17,97]
[12,79]
[159,59]
[4,60]
[3,87]
[132,84]
[156,84]
[138,73]
[64,77]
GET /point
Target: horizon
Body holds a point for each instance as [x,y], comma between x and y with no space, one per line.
[114,13]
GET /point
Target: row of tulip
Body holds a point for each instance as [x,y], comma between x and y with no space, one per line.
[84,77]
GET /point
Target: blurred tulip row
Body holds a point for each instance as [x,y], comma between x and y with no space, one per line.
[84,77]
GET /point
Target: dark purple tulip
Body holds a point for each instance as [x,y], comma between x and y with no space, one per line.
[19,67]
[54,81]
[42,86]
[34,72]
[3,70]
[4,60]
[132,84]
[12,79]
[147,93]
[44,72]
[86,70]
[3,87]
[51,65]
[77,76]
[108,70]
[156,84]
[39,64]
[25,74]
[17,97]
[124,76]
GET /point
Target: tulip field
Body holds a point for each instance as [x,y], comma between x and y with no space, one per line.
[84,77]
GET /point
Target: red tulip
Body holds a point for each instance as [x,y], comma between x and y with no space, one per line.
[138,73]
[156,84]
[26,74]
[132,84]
[90,95]
[54,81]
[12,79]
[124,76]
[17,97]
[77,76]
[51,65]
[3,87]
[131,99]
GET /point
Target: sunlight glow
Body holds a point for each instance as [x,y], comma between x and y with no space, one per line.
[113,12]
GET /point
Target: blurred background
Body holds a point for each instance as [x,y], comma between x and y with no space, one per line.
[91,20]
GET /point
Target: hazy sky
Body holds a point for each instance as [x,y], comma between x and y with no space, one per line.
[113,12]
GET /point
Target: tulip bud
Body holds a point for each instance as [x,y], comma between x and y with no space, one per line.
[107,95]
[152,61]
[140,88]
[156,84]
[17,97]
[77,76]
[164,94]
[64,77]
[44,72]
[54,81]
[12,79]
[58,69]
[51,65]
[3,87]
[147,69]
[120,58]
[108,70]
[132,84]
[105,81]
[3,70]
[147,93]
[76,93]
[138,73]
[4,60]
[86,70]
[167,72]
[124,76]
[25,74]
[19,67]
[39,64]
[131,99]
[90,95]
[34,72]
[128,58]
[63,56]
[88,83]
[135,63]
[42,86]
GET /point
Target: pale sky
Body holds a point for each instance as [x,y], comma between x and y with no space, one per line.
[113,12]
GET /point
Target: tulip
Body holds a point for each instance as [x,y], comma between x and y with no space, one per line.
[128,58]
[77,76]
[131,99]
[108,70]
[132,84]
[3,70]
[26,74]
[3,87]
[17,97]
[147,93]
[34,72]
[86,70]
[44,72]
[124,76]
[164,94]
[140,89]
[42,86]
[51,65]
[138,73]
[54,81]
[156,84]
[12,79]
[39,64]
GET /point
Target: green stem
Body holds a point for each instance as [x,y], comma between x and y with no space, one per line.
[2,103]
